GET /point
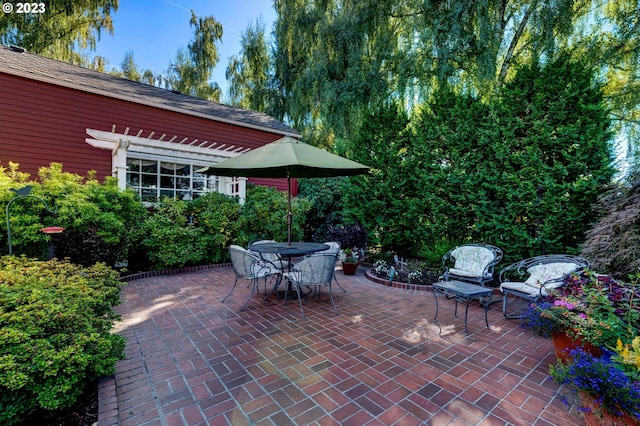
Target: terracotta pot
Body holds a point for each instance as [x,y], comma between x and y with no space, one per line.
[595,417]
[564,343]
[349,268]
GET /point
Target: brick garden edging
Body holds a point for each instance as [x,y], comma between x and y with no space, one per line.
[395,284]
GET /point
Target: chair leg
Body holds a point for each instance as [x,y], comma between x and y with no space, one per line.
[300,301]
[334,277]
[332,301]
[255,283]
[232,288]
[275,287]
[504,306]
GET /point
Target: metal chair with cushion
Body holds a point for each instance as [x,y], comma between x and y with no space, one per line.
[334,248]
[472,263]
[250,267]
[531,279]
[313,270]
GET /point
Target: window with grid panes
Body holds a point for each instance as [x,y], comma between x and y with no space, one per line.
[154,179]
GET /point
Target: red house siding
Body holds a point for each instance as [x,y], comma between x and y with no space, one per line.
[42,123]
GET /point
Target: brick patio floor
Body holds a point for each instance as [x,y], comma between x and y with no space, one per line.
[191,360]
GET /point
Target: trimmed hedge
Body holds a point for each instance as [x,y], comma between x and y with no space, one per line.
[55,332]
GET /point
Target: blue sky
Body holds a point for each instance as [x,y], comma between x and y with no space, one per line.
[155,29]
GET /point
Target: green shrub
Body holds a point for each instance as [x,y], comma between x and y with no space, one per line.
[218,216]
[264,215]
[55,332]
[168,238]
[325,194]
[186,233]
[99,219]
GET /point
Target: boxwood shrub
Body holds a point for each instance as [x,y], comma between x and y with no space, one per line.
[55,332]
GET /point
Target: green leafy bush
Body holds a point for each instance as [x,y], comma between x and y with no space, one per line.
[99,219]
[264,215]
[325,194]
[185,233]
[55,332]
[169,239]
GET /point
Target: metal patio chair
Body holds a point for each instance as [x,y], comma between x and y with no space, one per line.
[334,248]
[531,279]
[250,267]
[313,270]
[274,258]
[472,263]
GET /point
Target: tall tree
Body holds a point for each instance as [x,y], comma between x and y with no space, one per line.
[62,30]
[334,59]
[129,67]
[248,73]
[331,61]
[190,72]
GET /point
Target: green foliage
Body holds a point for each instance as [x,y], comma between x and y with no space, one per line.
[169,241]
[172,241]
[55,332]
[248,72]
[388,201]
[191,70]
[554,157]
[433,254]
[325,195]
[521,171]
[219,217]
[100,219]
[264,215]
[62,30]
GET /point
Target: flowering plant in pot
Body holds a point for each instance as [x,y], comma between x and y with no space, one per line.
[597,388]
[593,310]
[350,258]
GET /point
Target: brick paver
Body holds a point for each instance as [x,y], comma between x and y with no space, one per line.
[191,360]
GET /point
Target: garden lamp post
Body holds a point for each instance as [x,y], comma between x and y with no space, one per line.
[23,193]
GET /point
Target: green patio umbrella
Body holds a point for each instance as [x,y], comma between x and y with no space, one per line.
[287,158]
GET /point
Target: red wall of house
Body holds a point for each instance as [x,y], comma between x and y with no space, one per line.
[41,123]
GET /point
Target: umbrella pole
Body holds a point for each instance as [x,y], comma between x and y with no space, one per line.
[288,209]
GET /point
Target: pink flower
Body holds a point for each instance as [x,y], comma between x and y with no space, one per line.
[564,303]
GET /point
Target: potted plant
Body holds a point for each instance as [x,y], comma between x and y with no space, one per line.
[350,258]
[555,321]
[590,311]
[598,389]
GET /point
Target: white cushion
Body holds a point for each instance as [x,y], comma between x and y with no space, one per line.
[464,273]
[471,261]
[522,288]
[540,274]
[261,269]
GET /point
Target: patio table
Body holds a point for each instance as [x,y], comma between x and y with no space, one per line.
[289,250]
[464,292]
